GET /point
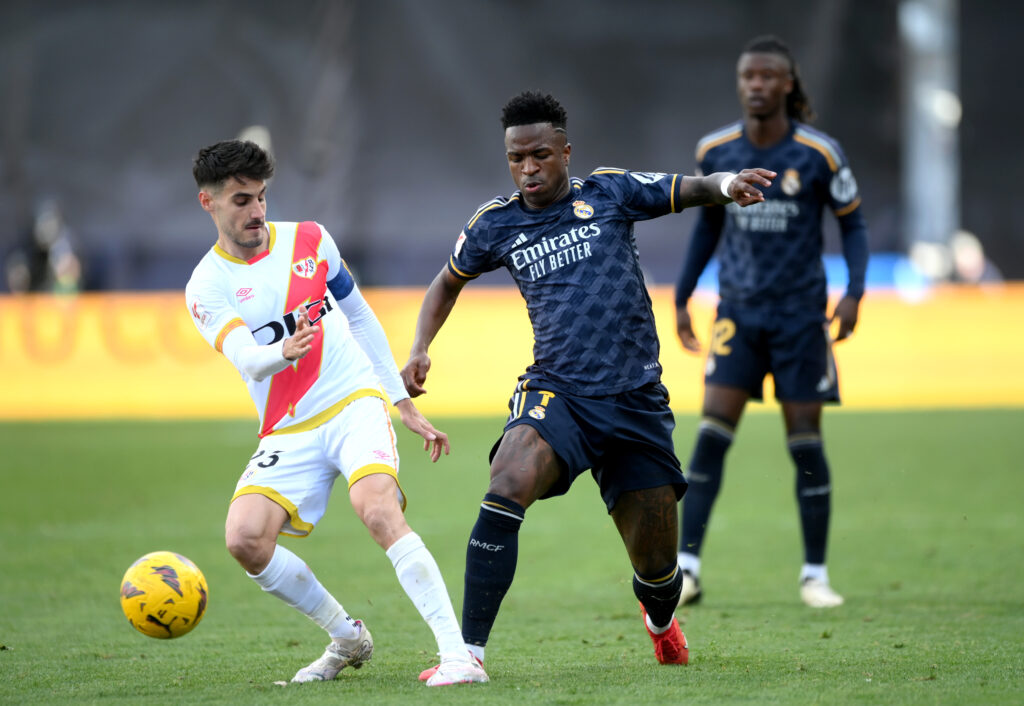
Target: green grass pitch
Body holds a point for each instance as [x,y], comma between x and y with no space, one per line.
[927,540]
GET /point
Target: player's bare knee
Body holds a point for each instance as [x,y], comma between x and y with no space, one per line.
[238,545]
[508,485]
[649,559]
[648,524]
[384,521]
[252,552]
[376,504]
[523,479]
[373,517]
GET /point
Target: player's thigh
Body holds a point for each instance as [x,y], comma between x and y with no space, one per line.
[802,417]
[524,466]
[290,471]
[375,501]
[637,450]
[738,356]
[724,402]
[647,521]
[360,443]
[254,517]
[801,361]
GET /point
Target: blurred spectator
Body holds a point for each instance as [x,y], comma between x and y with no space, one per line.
[969,261]
[46,260]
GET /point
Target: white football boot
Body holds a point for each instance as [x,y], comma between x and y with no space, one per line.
[690,592]
[338,655]
[818,594]
[458,672]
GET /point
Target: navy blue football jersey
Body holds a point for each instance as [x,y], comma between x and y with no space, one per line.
[770,253]
[577,267]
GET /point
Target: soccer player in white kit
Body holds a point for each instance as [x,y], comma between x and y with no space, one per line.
[278,301]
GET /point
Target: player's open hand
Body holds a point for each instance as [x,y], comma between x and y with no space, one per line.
[745,190]
[301,342]
[847,313]
[684,329]
[414,374]
[434,441]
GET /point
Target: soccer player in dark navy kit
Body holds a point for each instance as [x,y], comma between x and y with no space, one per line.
[592,400]
[772,313]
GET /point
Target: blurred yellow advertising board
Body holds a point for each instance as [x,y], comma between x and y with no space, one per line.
[138,355]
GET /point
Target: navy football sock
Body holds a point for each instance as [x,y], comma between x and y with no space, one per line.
[490,565]
[659,593]
[813,493]
[705,478]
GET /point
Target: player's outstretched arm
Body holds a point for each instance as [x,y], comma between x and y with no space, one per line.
[722,187]
[706,233]
[434,441]
[437,304]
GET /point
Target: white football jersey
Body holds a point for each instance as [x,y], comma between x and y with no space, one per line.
[263,294]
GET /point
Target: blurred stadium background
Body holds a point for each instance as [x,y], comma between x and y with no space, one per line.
[383,117]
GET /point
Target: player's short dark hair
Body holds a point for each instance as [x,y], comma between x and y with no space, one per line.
[798,103]
[231,158]
[532,107]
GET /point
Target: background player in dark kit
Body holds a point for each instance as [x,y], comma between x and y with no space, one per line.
[772,314]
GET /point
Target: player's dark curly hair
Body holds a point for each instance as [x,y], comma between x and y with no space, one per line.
[532,107]
[798,103]
[231,158]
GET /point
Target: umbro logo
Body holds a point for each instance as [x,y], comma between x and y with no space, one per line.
[244,294]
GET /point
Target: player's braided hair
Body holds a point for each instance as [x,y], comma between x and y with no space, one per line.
[231,158]
[532,107]
[798,103]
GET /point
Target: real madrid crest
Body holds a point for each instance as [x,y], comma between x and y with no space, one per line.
[582,209]
[791,182]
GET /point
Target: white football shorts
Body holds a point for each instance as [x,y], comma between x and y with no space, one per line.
[297,471]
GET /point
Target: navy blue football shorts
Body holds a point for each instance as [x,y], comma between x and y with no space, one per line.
[793,346]
[625,440]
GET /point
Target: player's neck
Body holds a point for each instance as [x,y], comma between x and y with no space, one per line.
[765,131]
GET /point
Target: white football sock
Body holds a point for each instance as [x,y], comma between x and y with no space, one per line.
[421,579]
[477,651]
[288,578]
[814,571]
[689,562]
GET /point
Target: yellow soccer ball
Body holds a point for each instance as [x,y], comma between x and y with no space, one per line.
[164,595]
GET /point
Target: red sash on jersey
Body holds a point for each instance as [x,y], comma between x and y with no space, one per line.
[307,283]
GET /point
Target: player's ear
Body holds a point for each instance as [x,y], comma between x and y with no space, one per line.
[206,201]
[565,153]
